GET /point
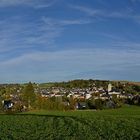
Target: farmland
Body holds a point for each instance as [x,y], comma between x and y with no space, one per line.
[123,123]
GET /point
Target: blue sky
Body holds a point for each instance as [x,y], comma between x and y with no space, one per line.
[60,40]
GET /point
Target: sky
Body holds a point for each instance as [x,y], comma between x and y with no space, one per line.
[61,40]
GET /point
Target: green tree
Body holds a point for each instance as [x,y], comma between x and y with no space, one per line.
[98,104]
[118,102]
[29,96]
[1,106]
[72,103]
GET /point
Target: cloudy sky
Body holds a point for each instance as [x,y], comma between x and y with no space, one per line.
[56,40]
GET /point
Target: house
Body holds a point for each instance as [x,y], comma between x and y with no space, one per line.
[88,96]
[110,104]
[45,95]
[114,93]
[7,104]
[55,91]
[81,105]
[105,96]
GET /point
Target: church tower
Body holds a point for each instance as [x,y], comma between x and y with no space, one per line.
[109,87]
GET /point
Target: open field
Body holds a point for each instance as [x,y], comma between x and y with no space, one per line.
[125,111]
[121,124]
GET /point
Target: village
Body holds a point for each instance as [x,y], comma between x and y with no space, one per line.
[84,93]
[91,97]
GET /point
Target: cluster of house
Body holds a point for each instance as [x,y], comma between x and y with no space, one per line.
[76,93]
[86,93]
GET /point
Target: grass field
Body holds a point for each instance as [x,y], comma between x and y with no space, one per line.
[121,124]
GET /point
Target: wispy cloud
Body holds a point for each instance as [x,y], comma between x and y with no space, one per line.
[43,44]
[17,34]
[130,46]
[89,11]
[102,13]
[71,62]
[65,22]
[32,3]
[134,1]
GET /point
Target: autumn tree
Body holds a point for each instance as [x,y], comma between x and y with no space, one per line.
[72,103]
[29,96]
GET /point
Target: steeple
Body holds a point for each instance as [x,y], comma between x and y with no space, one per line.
[109,87]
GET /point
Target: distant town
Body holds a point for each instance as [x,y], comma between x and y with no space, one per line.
[71,95]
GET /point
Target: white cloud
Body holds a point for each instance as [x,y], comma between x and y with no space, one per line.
[134,1]
[127,13]
[13,2]
[17,34]
[87,10]
[65,22]
[32,3]
[48,65]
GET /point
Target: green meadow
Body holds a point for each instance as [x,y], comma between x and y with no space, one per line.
[115,124]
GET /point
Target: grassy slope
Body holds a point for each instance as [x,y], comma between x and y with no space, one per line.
[122,124]
[125,111]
